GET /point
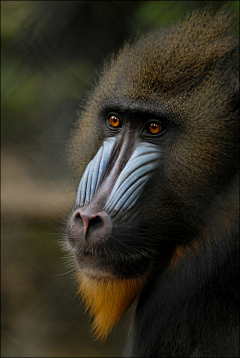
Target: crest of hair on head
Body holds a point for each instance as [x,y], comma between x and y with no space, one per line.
[107,300]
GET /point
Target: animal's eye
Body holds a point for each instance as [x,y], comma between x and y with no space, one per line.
[113,122]
[154,127]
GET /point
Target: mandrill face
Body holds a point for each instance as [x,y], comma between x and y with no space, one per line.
[107,229]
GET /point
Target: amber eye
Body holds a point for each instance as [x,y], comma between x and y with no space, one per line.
[114,121]
[154,128]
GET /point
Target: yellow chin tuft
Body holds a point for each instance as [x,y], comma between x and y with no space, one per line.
[107,300]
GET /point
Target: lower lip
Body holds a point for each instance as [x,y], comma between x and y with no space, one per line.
[99,268]
[97,274]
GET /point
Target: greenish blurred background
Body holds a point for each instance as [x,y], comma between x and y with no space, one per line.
[52,52]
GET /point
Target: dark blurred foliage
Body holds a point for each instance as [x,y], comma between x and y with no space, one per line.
[52,53]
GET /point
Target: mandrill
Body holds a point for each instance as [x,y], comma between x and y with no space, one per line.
[156,215]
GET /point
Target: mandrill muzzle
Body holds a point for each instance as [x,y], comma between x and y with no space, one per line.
[110,188]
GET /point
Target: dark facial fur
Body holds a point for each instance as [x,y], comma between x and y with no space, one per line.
[185,201]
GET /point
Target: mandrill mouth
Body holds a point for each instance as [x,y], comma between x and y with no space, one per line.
[109,260]
[100,248]
[112,268]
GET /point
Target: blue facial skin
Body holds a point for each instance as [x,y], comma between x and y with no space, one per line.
[130,182]
[93,173]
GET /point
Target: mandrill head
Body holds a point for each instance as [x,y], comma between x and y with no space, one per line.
[155,143]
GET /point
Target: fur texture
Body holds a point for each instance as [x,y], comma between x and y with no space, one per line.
[186,221]
[107,300]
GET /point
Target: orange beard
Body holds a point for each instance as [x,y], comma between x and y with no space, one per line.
[107,300]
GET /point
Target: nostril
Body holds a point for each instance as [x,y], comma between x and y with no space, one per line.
[94,224]
[77,220]
[96,221]
[78,216]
